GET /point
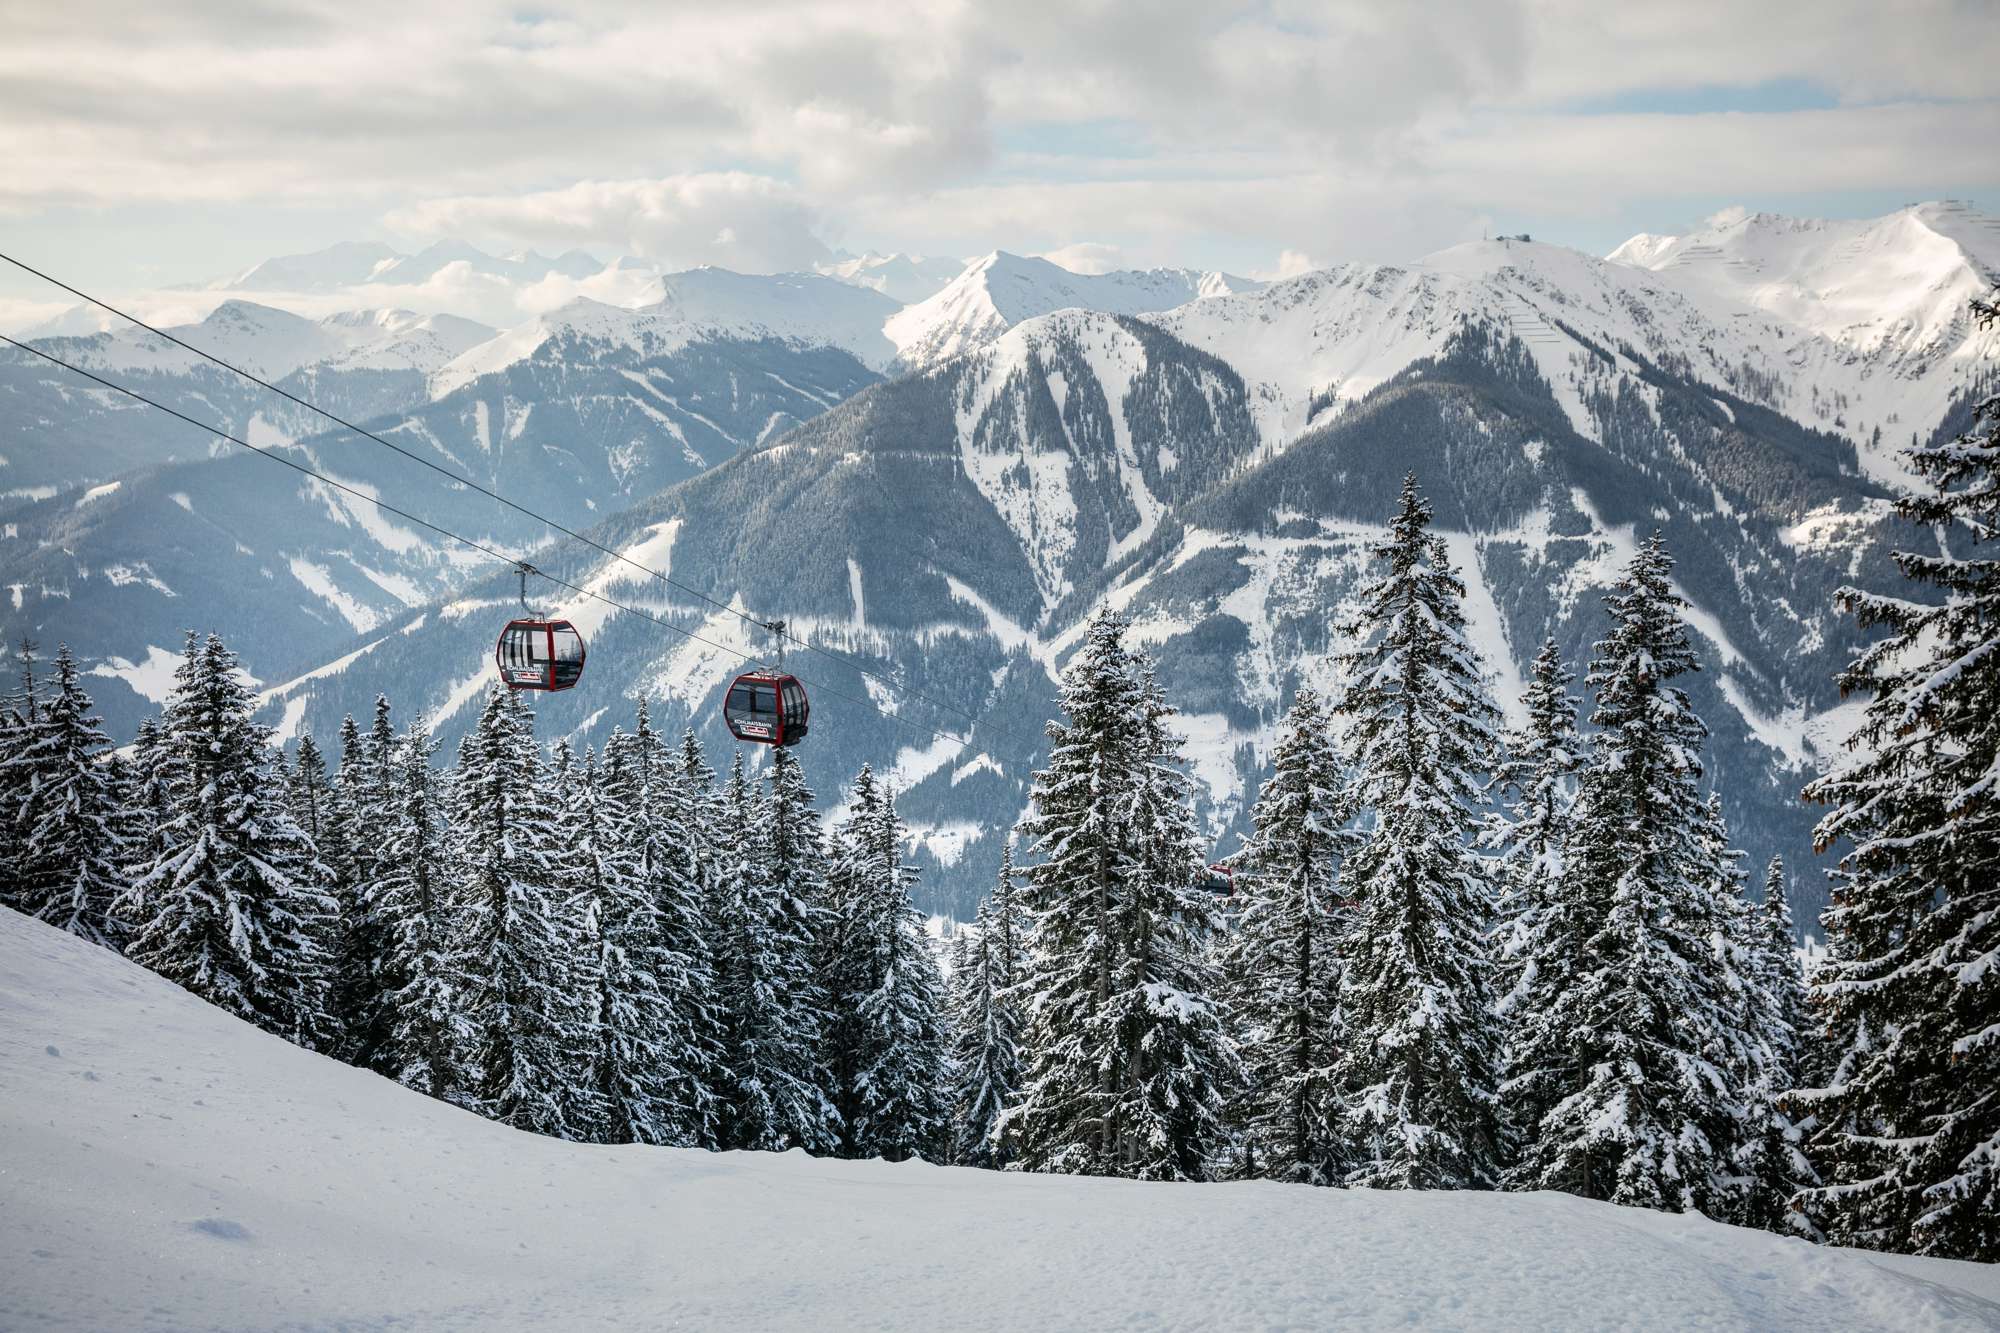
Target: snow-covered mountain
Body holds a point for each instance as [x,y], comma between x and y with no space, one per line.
[273,343]
[999,291]
[578,425]
[60,434]
[905,279]
[1216,468]
[1871,317]
[169,1164]
[1310,344]
[953,529]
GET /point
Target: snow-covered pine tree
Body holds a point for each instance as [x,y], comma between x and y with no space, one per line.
[1420,1056]
[309,794]
[1536,778]
[531,1028]
[232,907]
[69,865]
[1282,964]
[649,818]
[1007,917]
[1124,1055]
[359,813]
[1779,973]
[314,801]
[1774,1167]
[986,1021]
[152,768]
[1908,1132]
[587,856]
[20,712]
[1186,1061]
[1072,1055]
[1745,1045]
[426,973]
[773,1096]
[642,1049]
[1613,1059]
[884,1044]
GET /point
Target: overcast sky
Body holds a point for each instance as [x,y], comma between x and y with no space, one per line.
[181,140]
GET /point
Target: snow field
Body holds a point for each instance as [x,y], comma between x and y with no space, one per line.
[162,1164]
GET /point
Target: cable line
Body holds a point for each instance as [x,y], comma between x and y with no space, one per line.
[494,495]
[479,546]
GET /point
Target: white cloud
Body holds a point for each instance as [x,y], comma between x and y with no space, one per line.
[1290,264]
[1169,131]
[731,219]
[1089,257]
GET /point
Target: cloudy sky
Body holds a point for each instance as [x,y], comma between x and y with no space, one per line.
[182,140]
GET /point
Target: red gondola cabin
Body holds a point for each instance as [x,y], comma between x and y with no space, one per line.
[766,708]
[540,655]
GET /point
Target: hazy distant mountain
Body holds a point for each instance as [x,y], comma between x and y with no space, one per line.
[354,263]
[905,279]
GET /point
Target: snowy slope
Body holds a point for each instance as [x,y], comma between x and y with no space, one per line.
[400,340]
[1900,281]
[999,291]
[164,1164]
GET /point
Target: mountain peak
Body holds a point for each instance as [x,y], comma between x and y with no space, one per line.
[238,313]
[1895,288]
[1001,289]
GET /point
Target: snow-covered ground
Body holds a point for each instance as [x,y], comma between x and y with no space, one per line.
[163,1165]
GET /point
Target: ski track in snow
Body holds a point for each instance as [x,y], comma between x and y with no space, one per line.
[167,1165]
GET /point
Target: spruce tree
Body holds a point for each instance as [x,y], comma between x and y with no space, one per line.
[1907,1133]
[20,715]
[427,975]
[358,815]
[530,1026]
[772,1084]
[69,864]
[1125,1058]
[642,1053]
[1282,964]
[884,1046]
[1536,778]
[1774,1166]
[1420,1055]
[146,814]
[309,794]
[232,906]
[669,933]
[152,771]
[1615,1060]
[986,1022]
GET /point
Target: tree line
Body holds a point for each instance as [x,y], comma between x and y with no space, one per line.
[613,947]
[1457,954]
